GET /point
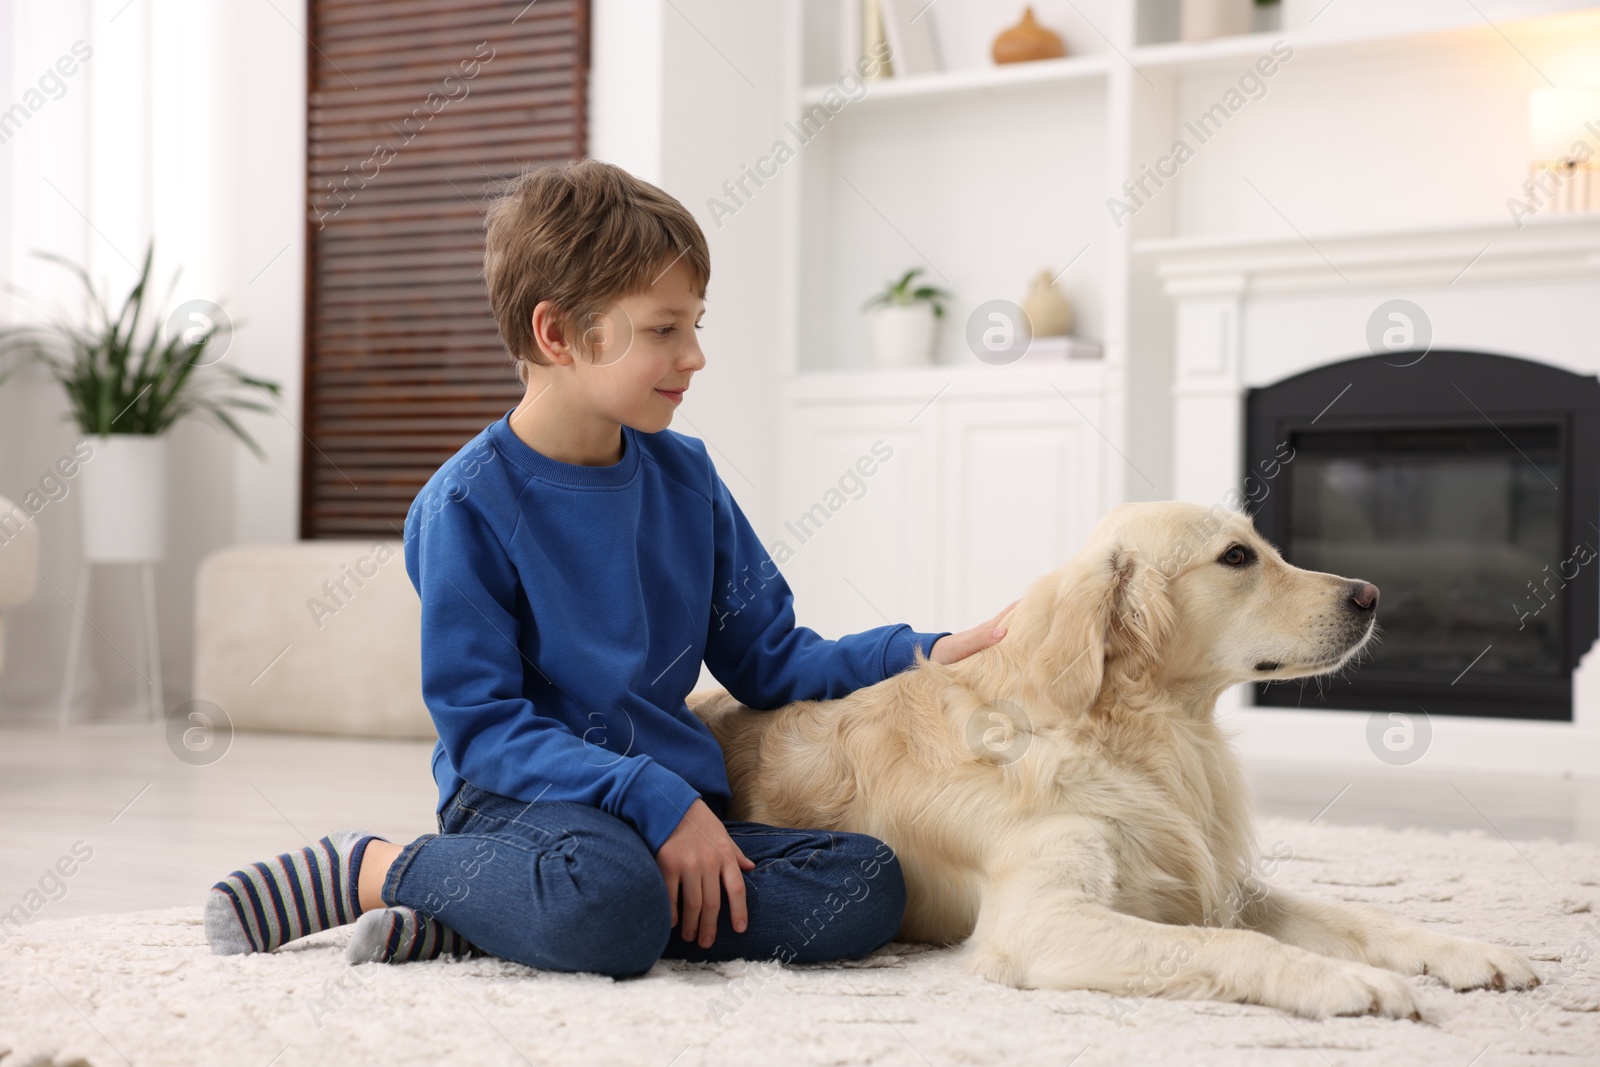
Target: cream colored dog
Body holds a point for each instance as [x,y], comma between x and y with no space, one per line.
[1063,802]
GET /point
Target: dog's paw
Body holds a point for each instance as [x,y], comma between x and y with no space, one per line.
[1340,987]
[1461,964]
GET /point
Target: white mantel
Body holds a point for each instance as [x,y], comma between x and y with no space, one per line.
[1546,247]
[1251,312]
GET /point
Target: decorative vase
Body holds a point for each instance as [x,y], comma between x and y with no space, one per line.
[1201,20]
[124,512]
[902,334]
[1049,311]
[1027,41]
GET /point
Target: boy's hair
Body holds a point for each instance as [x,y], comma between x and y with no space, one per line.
[582,235]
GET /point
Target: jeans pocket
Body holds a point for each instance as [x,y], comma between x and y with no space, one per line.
[459,810]
[484,814]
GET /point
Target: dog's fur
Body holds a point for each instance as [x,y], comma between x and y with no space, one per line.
[1064,803]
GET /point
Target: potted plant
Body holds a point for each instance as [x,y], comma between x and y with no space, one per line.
[1268,19]
[1201,20]
[904,317]
[125,388]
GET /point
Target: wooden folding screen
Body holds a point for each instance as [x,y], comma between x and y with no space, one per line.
[414,107]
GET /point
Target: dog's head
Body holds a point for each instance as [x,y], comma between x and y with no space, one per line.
[1169,595]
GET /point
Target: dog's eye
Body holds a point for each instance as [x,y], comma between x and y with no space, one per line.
[1236,556]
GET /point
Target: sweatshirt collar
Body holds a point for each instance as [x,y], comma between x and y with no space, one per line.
[573,475]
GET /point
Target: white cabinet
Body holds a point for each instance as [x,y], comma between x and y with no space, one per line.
[855,509]
[980,481]
[1019,493]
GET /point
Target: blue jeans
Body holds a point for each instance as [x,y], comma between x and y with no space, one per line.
[567,887]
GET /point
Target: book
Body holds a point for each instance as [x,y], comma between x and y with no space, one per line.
[908,26]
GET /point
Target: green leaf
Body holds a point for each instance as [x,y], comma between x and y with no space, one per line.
[900,293]
[120,375]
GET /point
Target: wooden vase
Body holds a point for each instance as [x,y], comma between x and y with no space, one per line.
[1027,41]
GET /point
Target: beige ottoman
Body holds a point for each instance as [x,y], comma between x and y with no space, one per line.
[317,637]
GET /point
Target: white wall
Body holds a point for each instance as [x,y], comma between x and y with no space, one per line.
[1380,137]
[683,94]
[721,111]
[626,86]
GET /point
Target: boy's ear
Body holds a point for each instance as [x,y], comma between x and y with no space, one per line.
[550,333]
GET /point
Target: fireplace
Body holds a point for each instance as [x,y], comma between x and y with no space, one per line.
[1256,322]
[1467,487]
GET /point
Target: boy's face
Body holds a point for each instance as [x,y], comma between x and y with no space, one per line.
[644,350]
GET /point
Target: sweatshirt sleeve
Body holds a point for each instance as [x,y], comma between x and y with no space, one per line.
[753,646]
[472,681]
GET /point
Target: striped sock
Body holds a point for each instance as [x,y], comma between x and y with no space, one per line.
[398,934]
[287,897]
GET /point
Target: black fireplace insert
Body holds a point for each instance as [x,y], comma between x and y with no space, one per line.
[1466,486]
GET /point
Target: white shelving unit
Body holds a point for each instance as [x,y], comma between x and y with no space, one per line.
[1044,72]
[985,175]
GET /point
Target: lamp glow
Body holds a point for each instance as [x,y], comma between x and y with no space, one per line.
[1560,119]
[1564,133]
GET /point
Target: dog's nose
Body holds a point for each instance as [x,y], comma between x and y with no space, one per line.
[1364,595]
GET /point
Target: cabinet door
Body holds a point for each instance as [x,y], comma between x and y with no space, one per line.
[1021,491]
[857,514]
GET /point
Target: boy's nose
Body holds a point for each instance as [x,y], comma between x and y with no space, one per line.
[697,358]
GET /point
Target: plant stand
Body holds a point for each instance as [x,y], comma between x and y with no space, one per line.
[150,650]
[124,484]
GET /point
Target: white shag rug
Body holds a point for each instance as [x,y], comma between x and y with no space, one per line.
[143,988]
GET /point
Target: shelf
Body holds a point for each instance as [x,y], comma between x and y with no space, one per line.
[1227,51]
[953,82]
[1177,56]
[1222,50]
[872,384]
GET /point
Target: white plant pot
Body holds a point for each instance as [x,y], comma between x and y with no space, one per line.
[902,335]
[124,506]
[1201,20]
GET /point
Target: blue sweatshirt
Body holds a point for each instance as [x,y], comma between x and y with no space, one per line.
[565,613]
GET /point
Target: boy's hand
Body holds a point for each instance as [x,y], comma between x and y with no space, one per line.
[698,861]
[953,647]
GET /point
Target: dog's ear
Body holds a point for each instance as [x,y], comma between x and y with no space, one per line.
[1107,609]
[1142,619]
[1077,602]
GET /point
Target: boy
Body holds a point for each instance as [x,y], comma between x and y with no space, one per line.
[576,562]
